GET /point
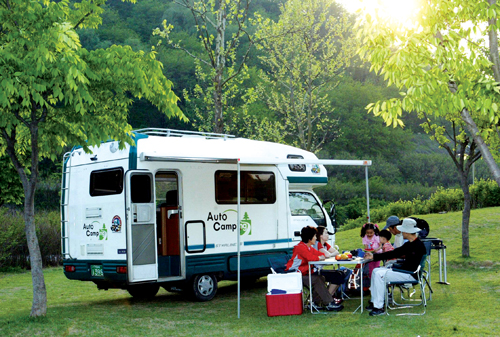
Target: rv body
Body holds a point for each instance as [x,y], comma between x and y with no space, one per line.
[164,211]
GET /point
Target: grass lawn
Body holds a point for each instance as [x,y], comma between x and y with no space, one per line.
[469,306]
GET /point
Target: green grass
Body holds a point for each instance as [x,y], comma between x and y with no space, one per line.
[469,306]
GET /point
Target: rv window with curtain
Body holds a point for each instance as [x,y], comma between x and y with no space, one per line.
[256,187]
[106,182]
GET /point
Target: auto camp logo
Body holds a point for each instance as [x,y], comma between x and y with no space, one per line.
[221,222]
[94,230]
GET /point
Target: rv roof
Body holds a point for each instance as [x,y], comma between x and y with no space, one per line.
[223,148]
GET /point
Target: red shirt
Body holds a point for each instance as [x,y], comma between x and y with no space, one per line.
[302,254]
[327,246]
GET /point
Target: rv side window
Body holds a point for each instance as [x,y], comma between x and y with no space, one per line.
[304,204]
[106,182]
[256,187]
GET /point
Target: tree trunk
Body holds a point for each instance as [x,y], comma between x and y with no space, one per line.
[219,118]
[493,39]
[465,215]
[485,151]
[39,305]
[220,64]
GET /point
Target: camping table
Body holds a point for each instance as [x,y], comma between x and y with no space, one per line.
[332,261]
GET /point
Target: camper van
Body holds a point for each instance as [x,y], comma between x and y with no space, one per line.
[164,211]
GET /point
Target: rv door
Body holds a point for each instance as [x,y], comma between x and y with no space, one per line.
[141,228]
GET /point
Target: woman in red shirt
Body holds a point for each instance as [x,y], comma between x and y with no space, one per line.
[302,254]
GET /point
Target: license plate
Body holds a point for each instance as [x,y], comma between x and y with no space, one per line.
[96,270]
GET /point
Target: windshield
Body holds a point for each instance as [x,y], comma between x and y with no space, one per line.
[304,204]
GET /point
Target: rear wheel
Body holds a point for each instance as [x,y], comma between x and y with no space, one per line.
[204,287]
[143,291]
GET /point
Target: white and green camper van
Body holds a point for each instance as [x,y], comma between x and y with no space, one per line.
[164,211]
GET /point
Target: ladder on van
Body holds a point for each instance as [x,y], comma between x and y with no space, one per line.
[66,173]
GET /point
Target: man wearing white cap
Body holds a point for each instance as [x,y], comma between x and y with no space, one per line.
[412,251]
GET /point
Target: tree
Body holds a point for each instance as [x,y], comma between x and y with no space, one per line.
[464,153]
[222,26]
[53,92]
[441,63]
[305,52]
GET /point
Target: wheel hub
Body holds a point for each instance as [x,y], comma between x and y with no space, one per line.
[205,285]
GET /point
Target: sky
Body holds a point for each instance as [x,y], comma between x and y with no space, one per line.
[399,10]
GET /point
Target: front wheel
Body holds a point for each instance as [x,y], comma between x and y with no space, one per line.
[204,287]
[143,291]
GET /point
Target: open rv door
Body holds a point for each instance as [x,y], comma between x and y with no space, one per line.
[141,228]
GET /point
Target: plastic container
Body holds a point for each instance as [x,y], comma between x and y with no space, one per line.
[290,303]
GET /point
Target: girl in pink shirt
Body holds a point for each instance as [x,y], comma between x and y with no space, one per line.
[371,242]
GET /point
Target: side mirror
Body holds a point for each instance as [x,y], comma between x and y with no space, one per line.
[332,212]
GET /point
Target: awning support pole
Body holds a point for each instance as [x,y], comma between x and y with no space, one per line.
[367,195]
[238,230]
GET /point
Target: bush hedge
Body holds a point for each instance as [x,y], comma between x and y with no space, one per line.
[13,244]
[484,193]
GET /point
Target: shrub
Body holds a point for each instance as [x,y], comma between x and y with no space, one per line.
[13,245]
[484,193]
[446,200]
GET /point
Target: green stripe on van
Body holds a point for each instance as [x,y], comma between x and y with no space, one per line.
[307,180]
[132,157]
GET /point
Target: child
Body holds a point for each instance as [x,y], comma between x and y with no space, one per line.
[385,236]
[371,241]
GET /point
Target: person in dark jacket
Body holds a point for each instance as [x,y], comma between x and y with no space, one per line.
[412,251]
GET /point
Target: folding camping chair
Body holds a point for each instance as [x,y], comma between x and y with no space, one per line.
[278,263]
[420,282]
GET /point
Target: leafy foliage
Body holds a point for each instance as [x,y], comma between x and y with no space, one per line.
[222,27]
[11,190]
[440,65]
[304,53]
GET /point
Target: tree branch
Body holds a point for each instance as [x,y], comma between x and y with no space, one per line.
[176,46]
[83,19]
[194,11]
[34,143]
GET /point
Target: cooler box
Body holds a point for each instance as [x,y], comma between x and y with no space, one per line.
[289,301]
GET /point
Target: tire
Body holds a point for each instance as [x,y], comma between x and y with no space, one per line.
[204,287]
[143,291]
